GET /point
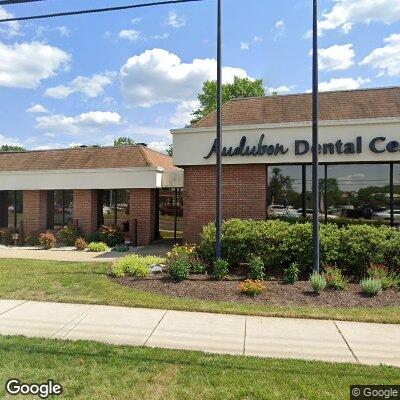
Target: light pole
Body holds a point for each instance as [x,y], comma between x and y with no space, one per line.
[218,194]
[315,115]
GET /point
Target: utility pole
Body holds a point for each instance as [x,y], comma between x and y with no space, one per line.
[315,115]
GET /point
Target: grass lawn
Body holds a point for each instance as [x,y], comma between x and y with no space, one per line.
[89,370]
[88,283]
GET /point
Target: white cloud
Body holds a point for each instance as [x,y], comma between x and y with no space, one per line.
[386,59]
[135,21]
[158,76]
[345,13]
[25,65]
[83,123]
[130,34]
[279,29]
[162,36]
[337,57]
[9,29]
[183,114]
[89,86]
[37,109]
[244,46]
[342,84]
[257,39]
[280,89]
[160,146]
[9,140]
[62,30]
[175,20]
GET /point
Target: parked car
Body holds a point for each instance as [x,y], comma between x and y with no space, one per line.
[386,216]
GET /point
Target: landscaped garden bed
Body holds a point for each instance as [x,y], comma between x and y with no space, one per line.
[203,287]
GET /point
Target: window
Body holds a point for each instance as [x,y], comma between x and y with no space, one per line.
[170,210]
[115,203]
[15,208]
[61,213]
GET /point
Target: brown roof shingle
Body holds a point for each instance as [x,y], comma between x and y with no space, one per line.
[341,105]
[84,158]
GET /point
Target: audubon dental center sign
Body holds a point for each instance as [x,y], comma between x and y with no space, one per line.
[301,147]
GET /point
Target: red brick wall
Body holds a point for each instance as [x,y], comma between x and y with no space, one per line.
[85,210]
[142,208]
[244,195]
[35,211]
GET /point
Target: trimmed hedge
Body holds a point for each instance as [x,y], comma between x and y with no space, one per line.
[352,248]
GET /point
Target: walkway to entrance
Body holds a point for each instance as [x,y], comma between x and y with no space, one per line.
[157,249]
[337,341]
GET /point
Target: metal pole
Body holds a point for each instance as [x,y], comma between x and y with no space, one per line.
[176,214]
[391,195]
[218,218]
[315,111]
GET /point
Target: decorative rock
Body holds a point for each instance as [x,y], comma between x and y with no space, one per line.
[156,269]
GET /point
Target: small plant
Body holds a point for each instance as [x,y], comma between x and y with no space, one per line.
[291,274]
[334,278]
[220,270]
[111,235]
[47,240]
[69,234]
[317,282]
[179,270]
[252,287]
[97,247]
[371,286]
[189,254]
[134,265]
[198,268]
[389,279]
[80,244]
[121,248]
[257,269]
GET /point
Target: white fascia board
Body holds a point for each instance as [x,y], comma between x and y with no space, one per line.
[104,178]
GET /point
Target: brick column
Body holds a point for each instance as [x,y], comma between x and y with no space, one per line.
[85,210]
[244,195]
[35,211]
[3,208]
[142,208]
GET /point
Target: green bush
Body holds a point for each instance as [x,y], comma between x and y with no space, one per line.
[97,247]
[334,278]
[291,274]
[134,265]
[69,234]
[352,248]
[388,279]
[111,235]
[179,270]
[257,269]
[317,282]
[220,270]
[47,240]
[371,286]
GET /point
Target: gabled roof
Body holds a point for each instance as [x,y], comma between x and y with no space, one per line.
[340,105]
[85,158]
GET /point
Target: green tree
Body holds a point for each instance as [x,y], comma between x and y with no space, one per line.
[170,150]
[240,88]
[123,141]
[280,187]
[10,147]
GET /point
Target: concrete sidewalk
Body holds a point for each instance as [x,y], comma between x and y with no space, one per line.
[216,333]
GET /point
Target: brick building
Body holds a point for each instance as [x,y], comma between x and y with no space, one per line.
[88,187]
[267,159]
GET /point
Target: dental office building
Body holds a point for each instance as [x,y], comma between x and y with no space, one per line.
[266,171]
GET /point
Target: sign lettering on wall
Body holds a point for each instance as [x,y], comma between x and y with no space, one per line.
[377,145]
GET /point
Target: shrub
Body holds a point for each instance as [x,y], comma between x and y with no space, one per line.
[47,240]
[187,253]
[93,237]
[291,274]
[111,235]
[388,279]
[317,282]
[220,270]
[179,270]
[198,268]
[252,287]
[121,248]
[69,234]
[80,244]
[256,266]
[334,278]
[134,265]
[371,286]
[97,247]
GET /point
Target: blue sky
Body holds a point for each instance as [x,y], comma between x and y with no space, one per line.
[88,79]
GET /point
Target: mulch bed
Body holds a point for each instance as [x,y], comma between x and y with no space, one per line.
[203,287]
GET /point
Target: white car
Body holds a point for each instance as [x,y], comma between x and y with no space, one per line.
[278,210]
[385,215]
